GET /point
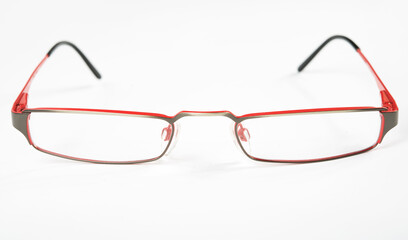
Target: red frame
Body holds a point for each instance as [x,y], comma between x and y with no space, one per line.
[388,105]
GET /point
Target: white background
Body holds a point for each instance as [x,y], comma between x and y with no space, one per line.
[167,56]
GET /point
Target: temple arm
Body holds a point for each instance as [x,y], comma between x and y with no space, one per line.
[391,114]
[21,101]
[387,100]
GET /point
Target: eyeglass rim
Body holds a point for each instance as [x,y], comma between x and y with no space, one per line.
[21,122]
[389,110]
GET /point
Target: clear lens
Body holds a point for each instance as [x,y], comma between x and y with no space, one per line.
[113,138]
[309,136]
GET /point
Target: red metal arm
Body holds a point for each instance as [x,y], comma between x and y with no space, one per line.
[21,102]
[386,97]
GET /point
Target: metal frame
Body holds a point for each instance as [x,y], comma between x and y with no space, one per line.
[388,112]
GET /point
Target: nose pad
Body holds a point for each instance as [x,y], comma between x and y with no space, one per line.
[243,135]
[244,138]
[175,138]
[166,133]
[165,136]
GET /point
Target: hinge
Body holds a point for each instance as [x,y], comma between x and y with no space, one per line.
[21,103]
[388,102]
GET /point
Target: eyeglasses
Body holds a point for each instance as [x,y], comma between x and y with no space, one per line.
[306,135]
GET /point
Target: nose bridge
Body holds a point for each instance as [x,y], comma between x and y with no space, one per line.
[227,114]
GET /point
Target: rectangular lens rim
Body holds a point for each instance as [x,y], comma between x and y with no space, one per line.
[100,112]
[308,112]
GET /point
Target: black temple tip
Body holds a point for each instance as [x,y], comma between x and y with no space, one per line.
[88,63]
[313,55]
